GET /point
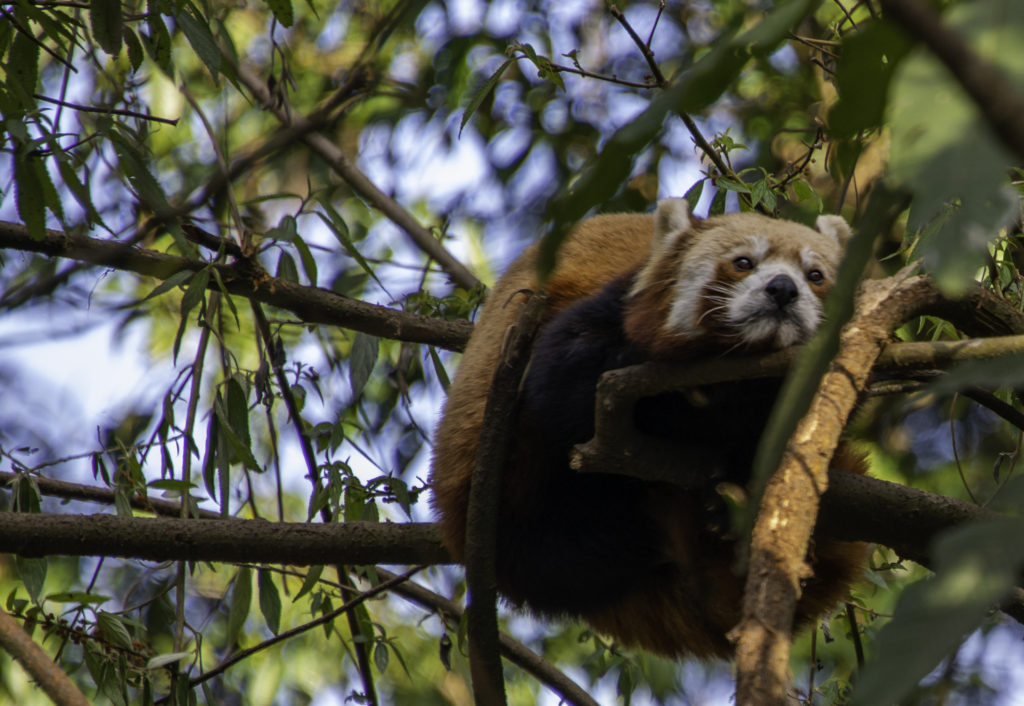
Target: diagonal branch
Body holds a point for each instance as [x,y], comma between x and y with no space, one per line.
[313,305]
[347,170]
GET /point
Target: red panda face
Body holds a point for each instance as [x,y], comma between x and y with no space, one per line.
[740,281]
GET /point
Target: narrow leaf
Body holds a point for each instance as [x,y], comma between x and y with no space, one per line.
[241,601]
[283,11]
[361,361]
[270,601]
[199,36]
[107,24]
[485,90]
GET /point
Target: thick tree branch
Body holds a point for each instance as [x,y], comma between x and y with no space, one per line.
[789,507]
[313,305]
[999,101]
[241,541]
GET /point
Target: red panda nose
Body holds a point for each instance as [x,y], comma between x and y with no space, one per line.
[782,290]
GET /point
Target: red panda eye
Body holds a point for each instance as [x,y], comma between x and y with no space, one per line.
[743,264]
[815,277]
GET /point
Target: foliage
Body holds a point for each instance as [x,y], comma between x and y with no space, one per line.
[396,154]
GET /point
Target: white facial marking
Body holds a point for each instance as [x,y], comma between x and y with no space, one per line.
[756,318]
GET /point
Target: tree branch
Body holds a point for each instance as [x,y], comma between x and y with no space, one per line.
[240,541]
[313,305]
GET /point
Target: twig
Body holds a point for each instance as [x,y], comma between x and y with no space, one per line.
[392,582]
[108,111]
[644,47]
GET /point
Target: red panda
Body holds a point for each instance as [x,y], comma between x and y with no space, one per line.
[640,561]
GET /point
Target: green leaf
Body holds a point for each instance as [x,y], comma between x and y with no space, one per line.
[286,269]
[282,10]
[340,230]
[135,51]
[863,73]
[380,656]
[270,600]
[164,660]
[439,369]
[178,486]
[158,41]
[33,574]
[134,166]
[22,71]
[210,458]
[240,450]
[241,601]
[942,149]
[692,195]
[311,580]
[169,284]
[195,292]
[78,190]
[238,407]
[485,90]
[361,361]
[114,629]
[107,24]
[285,230]
[30,195]
[199,36]
[308,261]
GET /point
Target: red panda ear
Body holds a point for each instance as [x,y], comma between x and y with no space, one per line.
[672,217]
[672,221]
[834,227]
